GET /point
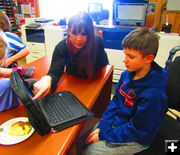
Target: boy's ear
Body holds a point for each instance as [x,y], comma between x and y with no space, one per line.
[149,58]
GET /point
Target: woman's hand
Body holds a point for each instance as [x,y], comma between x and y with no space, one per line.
[93,137]
[42,87]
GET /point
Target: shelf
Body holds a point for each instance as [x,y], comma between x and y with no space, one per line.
[8,7]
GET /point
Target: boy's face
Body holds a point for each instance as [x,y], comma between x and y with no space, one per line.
[134,60]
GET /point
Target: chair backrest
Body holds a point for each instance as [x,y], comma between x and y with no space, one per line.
[172,55]
[173,85]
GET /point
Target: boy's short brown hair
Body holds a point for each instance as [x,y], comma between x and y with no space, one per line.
[143,40]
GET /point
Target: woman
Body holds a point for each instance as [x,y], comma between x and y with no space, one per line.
[8,98]
[81,54]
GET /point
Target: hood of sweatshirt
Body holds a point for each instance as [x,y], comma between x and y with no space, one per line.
[156,78]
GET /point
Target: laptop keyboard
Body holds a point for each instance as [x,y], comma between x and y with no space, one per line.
[62,114]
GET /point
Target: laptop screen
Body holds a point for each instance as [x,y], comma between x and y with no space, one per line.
[29,92]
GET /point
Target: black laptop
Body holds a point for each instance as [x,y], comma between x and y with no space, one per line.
[54,112]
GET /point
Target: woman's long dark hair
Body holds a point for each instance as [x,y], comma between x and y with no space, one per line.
[87,56]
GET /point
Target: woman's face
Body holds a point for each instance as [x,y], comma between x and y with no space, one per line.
[77,38]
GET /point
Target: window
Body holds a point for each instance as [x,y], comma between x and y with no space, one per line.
[58,9]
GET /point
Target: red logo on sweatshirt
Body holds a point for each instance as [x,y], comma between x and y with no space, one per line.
[128,96]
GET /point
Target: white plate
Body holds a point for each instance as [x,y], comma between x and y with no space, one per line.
[6,139]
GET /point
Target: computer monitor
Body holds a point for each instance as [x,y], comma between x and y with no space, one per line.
[95,10]
[129,13]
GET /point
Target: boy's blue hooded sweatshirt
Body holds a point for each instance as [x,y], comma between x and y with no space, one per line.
[137,108]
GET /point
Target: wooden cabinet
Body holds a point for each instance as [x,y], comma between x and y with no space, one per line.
[160,17]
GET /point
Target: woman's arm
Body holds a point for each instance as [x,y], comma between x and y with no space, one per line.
[48,82]
[58,63]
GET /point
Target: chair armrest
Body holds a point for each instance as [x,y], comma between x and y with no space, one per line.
[174,113]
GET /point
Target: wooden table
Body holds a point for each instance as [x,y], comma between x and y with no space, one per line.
[95,94]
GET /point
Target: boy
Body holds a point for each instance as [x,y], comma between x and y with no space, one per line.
[134,115]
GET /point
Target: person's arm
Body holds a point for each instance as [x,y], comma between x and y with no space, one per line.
[58,63]
[141,126]
[5,72]
[16,48]
[48,82]
[21,54]
[93,137]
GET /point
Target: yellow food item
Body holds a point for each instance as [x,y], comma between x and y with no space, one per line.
[20,128]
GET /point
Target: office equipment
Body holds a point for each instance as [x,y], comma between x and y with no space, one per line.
[167,27]
[54,112]
[43,20]
[129,12]
[113,36]
[41,40]
[97,12]
[33,26]
[96,96]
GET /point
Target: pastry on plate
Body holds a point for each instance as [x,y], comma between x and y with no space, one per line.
[20,128]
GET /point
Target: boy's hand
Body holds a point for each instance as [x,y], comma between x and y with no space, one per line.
[93,137]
